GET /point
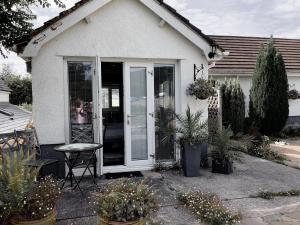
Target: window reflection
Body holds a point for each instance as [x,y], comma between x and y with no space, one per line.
[81,101]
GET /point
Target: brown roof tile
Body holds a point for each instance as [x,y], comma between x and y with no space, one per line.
[244,50]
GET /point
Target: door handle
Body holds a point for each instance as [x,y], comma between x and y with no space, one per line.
[130,116]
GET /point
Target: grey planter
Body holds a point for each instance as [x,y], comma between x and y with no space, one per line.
[191,160]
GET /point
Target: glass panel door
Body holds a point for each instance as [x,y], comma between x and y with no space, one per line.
[139,108]
[164,91]
[138,116]
[81,101]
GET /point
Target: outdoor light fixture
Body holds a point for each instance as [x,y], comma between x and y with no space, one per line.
[213,52]
[197,70]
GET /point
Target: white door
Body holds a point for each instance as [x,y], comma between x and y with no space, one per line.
[139,114]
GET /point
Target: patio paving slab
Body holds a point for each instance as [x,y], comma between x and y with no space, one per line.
[250,176]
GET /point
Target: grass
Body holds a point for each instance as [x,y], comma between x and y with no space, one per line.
[271,195]
[208,208]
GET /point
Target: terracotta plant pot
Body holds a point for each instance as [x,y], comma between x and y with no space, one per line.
[106,222]
[49,220]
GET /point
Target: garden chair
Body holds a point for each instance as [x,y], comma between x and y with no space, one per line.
[28,145]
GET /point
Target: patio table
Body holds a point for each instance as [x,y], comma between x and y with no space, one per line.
[72,154]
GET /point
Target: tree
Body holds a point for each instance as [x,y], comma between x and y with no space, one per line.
[269,107]
[16,20]
[21,86]
[233,105]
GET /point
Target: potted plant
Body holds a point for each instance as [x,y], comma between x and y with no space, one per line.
[124,202]
[222,154]
[201,89]
[26,201]
[193,136]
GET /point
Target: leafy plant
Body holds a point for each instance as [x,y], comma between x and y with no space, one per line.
[261,148]
[291,130]
[269,107]
[191,128]
[21,195]
[208,208]
[223,147]
[124,200]
[293,94]
[201,89]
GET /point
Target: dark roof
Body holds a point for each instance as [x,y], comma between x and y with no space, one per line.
[12,118]
[24,40]
[244,50]
[3,86]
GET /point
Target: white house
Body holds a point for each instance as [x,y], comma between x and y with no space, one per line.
[241,63]
[112,71]
[4,92]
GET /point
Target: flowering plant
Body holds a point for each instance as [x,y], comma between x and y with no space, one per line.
[201,89]
[209,208]
[124,200]
[21,196]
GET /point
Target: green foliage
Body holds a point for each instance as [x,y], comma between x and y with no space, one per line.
[124,200]
[16,20]
[233,105]
[291,130]
[208,208]
[27,107]
[21,89]
[201,89]
[269,107]
[262,149]
[223,147]
[270,195]
[191,128]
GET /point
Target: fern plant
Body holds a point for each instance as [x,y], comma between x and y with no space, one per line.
[191,128]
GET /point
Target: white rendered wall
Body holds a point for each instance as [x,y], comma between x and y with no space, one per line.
[4,96]
[121,29]
[245,81]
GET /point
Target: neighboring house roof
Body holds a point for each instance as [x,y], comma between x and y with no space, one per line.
[22,43]
[3,86]
[12,118]
[244,50]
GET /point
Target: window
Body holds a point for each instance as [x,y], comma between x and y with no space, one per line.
[164,90]
[110,97]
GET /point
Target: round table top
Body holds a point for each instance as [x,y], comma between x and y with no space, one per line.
[78,147]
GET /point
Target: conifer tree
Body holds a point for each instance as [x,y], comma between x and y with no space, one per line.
[269,107]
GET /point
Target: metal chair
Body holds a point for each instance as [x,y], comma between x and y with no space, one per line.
[28,145]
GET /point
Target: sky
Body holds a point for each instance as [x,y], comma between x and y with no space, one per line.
[280,18]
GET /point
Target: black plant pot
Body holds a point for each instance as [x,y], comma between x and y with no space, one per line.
[204,156]
[223,167]
[191,160]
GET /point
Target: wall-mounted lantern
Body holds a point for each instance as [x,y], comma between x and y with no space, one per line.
[213,51]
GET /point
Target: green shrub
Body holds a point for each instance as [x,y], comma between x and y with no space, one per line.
[124,200]
[291,130]
[269,107]
[261,148]
[208,208]
[233,105]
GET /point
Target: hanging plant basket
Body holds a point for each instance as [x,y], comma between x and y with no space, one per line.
[201,89]
[293,94]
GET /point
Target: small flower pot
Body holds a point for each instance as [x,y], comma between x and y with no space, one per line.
[191,160]
[223,167]
[50,219]
[106,222]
